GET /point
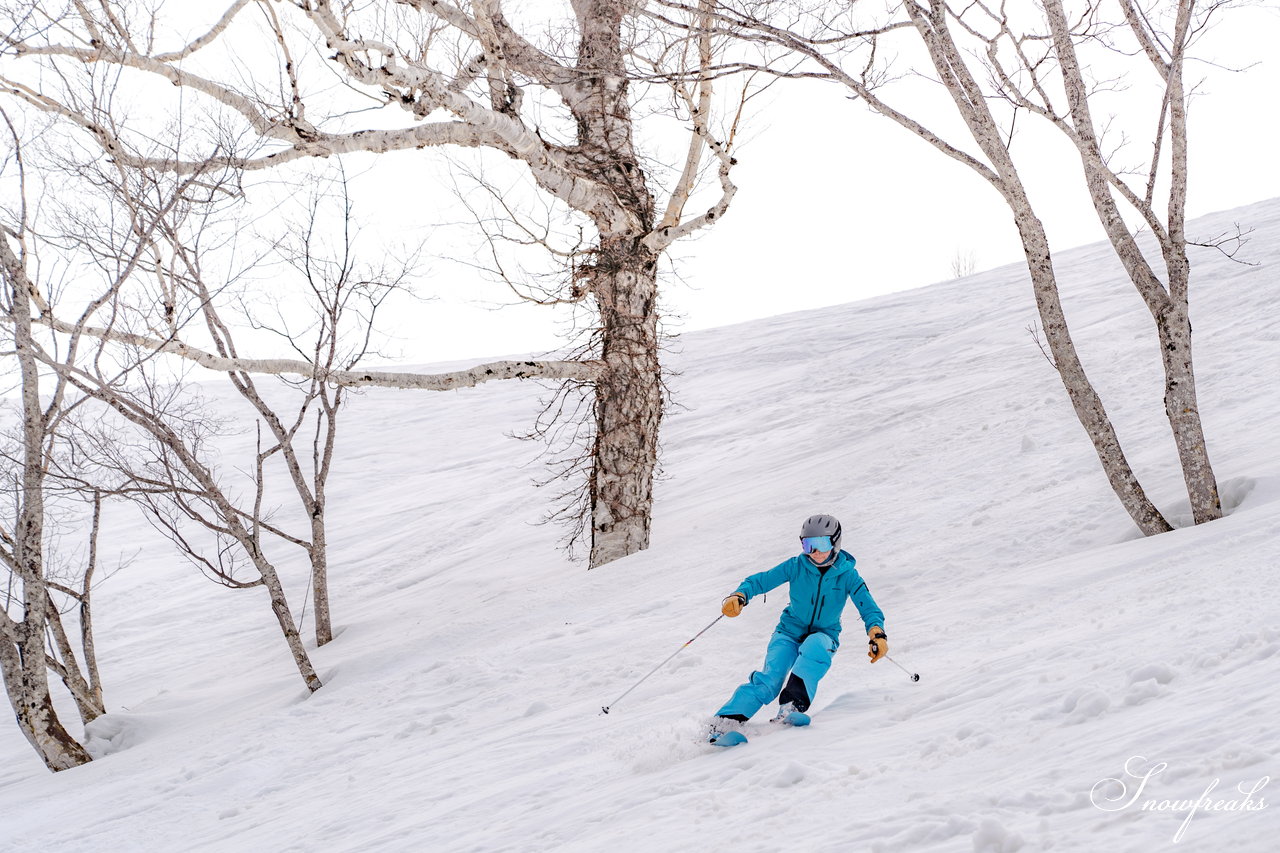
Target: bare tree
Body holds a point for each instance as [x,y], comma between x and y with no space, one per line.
[175,485]
[996,64]
[559,99]
[963,264]
[171,473]
[137,234]
[83,681]
[28,615]
[23,659]
[335,333]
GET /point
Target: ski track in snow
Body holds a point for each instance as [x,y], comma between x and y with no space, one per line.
[462,698]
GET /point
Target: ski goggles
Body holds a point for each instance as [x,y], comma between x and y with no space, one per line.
[810,544]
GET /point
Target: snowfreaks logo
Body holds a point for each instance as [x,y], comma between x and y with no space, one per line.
[1105,797]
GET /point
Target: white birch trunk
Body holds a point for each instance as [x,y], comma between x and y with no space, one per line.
[970,102]
[1183,410]
[228,516]
[320,578]
[88,700]
[1168,305]
[629,407]
[22,644]
[1084,398]
[623,279]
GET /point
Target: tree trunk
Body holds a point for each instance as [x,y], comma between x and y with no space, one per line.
[326,441]
[320,575]
[1084,399]
[280,606]
[27,682]
[1168,305]
[1181,406]
[629,403]
[22,644]
[1174,323]
[88,700]
[87,642]
[968,97]
[629,399]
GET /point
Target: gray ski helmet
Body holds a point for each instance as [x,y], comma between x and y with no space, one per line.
[822,525]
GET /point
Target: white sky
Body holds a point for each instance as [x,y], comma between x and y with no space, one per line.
[835,204]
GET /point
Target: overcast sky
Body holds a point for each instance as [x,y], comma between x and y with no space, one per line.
[836,204]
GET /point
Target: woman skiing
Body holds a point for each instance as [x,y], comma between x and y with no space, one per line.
[822,579]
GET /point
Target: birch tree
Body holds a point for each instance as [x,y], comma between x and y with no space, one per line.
[178,485]
[332,330]
[64,366]
[344,298]
[557,99]
[29,617]
[996,64]
[157,442]
[23,658]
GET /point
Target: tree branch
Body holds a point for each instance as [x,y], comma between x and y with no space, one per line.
[580,370]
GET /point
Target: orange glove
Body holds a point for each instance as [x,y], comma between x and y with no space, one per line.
[733,605]
[879,643]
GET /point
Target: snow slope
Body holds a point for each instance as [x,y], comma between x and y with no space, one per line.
[462,697]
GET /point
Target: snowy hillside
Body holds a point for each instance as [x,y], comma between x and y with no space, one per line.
[462,697]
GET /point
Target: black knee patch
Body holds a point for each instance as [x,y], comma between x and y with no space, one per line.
[796,693]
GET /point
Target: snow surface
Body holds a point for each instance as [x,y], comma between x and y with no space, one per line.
[462,698]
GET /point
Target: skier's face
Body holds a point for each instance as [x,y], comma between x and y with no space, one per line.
[819,556]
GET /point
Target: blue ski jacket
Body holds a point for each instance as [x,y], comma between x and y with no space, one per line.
[817,597]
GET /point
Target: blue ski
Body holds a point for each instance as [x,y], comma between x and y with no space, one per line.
[730,738]
[795,718]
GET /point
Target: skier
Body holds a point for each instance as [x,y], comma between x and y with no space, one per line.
[822,578]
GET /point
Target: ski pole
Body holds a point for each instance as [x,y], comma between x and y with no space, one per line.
[606,708]
[915,676]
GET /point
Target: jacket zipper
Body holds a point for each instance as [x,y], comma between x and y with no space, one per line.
[817,601]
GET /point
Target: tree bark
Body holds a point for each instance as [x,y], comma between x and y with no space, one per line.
[88,700]
[320,576]
[1168,305]
[288,627]
[629,404]
[26,681]
[1084,399]
[1183,410]
[623,279]
[22,644]
[971,104]
[326,441]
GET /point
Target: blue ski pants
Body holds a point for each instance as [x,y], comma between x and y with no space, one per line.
[808,660]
